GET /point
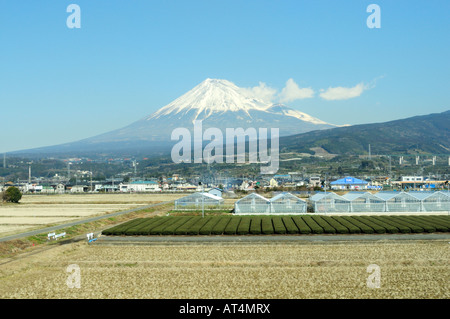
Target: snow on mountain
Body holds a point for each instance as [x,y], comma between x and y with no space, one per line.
[210,96]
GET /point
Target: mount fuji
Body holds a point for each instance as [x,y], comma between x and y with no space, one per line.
[218,103]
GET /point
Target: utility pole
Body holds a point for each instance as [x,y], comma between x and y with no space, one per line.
[369,153]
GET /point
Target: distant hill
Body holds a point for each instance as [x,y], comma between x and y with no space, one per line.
[415,135]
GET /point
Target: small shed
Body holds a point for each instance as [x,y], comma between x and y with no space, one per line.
[252,204]
[287,203]
[199,200]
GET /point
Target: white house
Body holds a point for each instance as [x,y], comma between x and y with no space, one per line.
[140,186]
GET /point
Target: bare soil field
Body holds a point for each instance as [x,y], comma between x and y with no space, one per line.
[40,210]
[416,269]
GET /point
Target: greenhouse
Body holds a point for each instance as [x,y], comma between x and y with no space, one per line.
[287,203]
[364,202]
[252,204]
[433,201]
[400,202]
[329,202]
[199,200]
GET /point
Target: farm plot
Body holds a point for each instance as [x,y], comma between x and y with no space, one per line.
[268,225]
[36,211]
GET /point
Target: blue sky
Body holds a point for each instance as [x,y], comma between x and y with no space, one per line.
[130,58]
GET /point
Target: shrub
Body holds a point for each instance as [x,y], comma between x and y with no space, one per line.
[388,220]
[303,228]
[255,226]
[322,223]
[232,226]
[278,225]
[415,226]
[195,227]
[389,228]
[208,226]
[219,228]
[445,220]
[364,228]
[315,228]
[340,229]
[439,224]
[267,226]
[428,225]
[12,195]
[170,229]
[352,229]
[183,229]
[244,226]
[377,228]
[291,228]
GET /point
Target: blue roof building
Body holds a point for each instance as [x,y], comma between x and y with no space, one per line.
[349,183]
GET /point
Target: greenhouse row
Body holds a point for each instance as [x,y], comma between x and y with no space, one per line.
[199,200]
[381,202]
[284,203]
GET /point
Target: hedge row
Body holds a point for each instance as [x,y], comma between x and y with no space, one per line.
[267,225]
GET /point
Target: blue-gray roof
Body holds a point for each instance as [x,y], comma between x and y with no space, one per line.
[349,181]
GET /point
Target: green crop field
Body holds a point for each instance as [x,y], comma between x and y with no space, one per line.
[280,225]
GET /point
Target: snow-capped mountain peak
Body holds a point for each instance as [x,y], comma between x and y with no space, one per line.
[211,96]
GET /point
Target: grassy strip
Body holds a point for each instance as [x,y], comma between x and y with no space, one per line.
[278,225]
[255,226]
[291,228]
[352,229]
[219,228]
[303,228]
[388,220]
[244,226]
[315,228]
[377,228]
[364,228]
[327,228]
[340,229]
[232,226]
[267,226]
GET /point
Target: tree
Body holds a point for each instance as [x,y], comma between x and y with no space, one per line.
[12,195]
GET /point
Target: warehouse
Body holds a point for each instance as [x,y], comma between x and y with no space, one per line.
[199,200]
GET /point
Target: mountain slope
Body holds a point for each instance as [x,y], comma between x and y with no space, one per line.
[218,103]
[415,135]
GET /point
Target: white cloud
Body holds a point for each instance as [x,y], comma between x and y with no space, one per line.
[292,92]
[261,92]
[343,93]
